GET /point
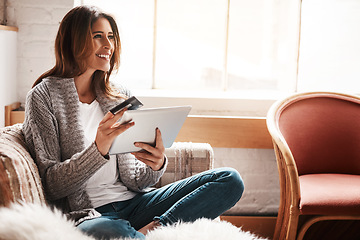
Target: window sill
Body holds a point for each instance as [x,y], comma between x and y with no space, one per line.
[245,103]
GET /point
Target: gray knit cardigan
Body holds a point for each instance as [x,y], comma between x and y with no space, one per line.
[56,141]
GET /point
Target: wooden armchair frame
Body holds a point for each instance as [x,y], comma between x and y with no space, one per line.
[287,225]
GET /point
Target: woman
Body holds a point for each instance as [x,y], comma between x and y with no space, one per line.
[69,130]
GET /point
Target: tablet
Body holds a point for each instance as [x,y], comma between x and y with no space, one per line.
[168,119]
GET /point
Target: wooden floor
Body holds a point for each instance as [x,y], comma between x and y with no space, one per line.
[263,226]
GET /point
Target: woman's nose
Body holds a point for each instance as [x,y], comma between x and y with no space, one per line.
[107,43]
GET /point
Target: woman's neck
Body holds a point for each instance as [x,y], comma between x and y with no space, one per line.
[83,87]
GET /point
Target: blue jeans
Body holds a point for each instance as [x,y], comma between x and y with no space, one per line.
[207,194]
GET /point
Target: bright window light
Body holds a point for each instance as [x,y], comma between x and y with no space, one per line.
[329,46]
[206,45]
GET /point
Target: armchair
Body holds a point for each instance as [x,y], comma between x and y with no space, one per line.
[316,139]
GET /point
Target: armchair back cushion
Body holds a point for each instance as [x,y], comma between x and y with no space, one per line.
[331,125]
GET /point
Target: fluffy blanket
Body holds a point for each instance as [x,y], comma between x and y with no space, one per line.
[37,222]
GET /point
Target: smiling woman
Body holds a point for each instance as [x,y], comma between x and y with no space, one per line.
[79,45]
[69,130]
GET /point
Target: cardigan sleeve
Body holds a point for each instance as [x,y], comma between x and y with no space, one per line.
[60,177]
[136,175]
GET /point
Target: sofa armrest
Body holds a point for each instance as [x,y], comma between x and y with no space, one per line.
[186,159]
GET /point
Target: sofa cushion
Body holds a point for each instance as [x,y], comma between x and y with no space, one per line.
[19,176]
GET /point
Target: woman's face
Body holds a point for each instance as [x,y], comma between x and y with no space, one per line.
[103,42]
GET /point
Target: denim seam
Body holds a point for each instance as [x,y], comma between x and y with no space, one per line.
[112,205]
[172,219]
[166,198]
[213,174]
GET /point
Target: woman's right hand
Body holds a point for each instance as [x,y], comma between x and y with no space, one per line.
[109,129]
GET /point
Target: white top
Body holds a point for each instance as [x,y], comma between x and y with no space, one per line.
[104,186]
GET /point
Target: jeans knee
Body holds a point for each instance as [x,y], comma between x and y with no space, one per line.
[234,182]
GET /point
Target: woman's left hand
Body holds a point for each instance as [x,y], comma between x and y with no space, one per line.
[154,157]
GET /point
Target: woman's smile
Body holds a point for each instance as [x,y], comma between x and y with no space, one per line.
[104,56]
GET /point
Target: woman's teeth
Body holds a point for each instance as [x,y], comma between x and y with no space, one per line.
[107,57]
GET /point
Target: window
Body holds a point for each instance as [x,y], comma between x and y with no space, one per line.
[211,45]
[330,46]
[235,57]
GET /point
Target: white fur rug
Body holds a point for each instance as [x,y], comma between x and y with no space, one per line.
[36,222]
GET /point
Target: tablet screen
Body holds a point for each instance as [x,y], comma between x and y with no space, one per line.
[168,119]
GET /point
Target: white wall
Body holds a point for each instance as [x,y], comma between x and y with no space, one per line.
[8,92]
[259,171]
[38,21]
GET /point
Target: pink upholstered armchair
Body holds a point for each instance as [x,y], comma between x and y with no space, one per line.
[316,138]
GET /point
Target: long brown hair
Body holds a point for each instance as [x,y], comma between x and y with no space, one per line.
[73,45]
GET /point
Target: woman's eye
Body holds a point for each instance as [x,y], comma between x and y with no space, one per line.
[111,37]
[97,36]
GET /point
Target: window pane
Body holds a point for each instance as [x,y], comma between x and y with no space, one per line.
[260,53]
[135,21]
[190,44]
[329,46]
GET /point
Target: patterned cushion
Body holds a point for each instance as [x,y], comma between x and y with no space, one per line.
[19,177]
[186,159]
